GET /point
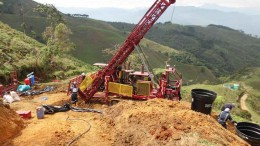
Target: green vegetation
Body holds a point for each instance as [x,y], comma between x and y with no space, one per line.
[217,47]
[53,16]
[24,54]
[250,77]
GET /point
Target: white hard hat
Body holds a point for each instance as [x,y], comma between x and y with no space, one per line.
[227,109]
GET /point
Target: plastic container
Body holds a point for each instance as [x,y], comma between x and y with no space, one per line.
[202,100]
[22,88]
[32,79]
[40,112]
[27,81]
[24,114]
[236,87]
[250,132]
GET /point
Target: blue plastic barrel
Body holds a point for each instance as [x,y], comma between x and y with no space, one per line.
[32,80]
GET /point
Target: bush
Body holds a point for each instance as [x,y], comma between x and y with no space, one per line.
[254,102]
[244,114]
[219,102]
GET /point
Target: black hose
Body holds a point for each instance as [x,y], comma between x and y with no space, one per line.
[76,109]
[76,138]
[82,110]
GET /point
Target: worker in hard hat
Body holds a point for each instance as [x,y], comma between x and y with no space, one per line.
[228,105]
[74,95]
[224,116]
[83,76]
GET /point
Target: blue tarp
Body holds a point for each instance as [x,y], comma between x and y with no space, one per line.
[22,88]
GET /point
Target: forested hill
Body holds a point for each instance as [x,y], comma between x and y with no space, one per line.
[222,49]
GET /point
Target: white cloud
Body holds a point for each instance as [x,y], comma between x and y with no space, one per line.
[228,3]
[147,3]
[99,3]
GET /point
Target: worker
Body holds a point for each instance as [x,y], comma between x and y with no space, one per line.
[228,105]
[74,95]
[83,76]
[224,116]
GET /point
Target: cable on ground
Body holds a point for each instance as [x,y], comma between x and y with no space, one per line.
[76,138]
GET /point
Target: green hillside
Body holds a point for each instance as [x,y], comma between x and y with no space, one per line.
[158,54]
[91,37]
[221,49]
[250,79]
[24,54]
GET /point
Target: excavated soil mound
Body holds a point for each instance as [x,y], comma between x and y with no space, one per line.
[163,122]
[10,124]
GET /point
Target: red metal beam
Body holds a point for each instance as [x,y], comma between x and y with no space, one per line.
[155,11]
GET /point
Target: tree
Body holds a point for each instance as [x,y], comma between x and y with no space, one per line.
[57,33]
[62,38]
[33,34]
[58,40]
[54,17]
[48,33]
[23,25]
[1,5]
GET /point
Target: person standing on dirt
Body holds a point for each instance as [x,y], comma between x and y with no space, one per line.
[224,116]
[74,95]
[228,105]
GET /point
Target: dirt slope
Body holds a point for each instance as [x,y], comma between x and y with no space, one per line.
[163,122]
[10,123]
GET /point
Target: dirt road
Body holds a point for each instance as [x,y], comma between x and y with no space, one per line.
[243,102]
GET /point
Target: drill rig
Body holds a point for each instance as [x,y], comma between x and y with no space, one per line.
[136,85]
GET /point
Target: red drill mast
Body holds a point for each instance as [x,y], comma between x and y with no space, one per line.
[125,50]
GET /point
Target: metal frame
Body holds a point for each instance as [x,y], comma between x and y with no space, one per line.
[155,11]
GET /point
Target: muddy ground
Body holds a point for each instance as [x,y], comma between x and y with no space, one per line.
[127,123]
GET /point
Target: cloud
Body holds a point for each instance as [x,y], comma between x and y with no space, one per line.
[99,3]
[147,3]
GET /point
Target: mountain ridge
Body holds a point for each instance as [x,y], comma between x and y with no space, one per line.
[184,15]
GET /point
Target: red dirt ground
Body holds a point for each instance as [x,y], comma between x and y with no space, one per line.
[150,123]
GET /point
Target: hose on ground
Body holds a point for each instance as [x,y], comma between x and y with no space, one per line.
[76,138]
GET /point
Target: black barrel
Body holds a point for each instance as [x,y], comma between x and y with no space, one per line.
[202,100]
[250,132]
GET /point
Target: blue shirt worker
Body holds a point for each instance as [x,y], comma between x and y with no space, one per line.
[74,95]
[224,116]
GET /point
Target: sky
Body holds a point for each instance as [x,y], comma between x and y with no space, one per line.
[147,3]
